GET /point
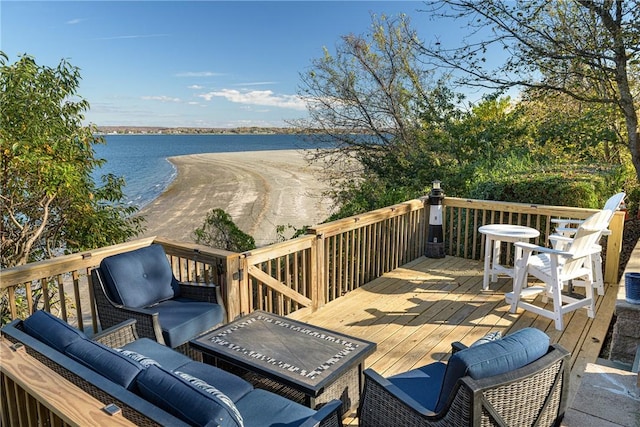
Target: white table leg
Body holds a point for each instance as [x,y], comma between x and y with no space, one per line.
[488,253]
[496,260]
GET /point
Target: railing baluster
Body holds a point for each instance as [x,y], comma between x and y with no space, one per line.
[44,288]
[29,296]
[78,298]
[63,300]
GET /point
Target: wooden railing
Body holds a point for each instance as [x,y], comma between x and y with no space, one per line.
[61,285]
[33,395]
[463,217]
[330,261]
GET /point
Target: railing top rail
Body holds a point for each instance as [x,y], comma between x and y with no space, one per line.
[65,263]
[354,222]
[525,208]
[191,250]
[279,249]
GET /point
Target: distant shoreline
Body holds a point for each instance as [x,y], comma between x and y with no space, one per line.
[157,130]
[249,130]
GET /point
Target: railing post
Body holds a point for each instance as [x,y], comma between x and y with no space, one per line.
[318,282]
[243,284]
[233,303]
[614,247]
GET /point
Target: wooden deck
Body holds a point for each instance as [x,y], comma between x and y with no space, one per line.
[414,313]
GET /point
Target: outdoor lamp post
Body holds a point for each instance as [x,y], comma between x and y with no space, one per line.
[435,241]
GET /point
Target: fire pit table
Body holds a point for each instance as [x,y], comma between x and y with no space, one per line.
[309,364]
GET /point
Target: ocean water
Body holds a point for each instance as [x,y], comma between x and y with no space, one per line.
[142,159]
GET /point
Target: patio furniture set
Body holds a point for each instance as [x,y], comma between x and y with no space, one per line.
[166,357]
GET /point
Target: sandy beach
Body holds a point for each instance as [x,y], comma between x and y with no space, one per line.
[259,189]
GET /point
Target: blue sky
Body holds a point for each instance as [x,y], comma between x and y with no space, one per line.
[192,63]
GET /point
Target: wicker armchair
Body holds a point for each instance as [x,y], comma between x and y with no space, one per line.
[174,320]
[534,394]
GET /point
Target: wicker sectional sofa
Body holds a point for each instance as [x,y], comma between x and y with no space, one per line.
[154,385]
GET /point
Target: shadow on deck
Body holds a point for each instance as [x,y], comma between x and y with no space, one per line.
[413,313]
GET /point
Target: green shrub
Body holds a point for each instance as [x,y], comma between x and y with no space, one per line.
[541,189]
[219,231]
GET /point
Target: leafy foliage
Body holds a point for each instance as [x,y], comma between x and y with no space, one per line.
[417,129]
[588,50]
[219,231]
[49,200]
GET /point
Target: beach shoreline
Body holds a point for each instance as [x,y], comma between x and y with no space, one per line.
[260,190]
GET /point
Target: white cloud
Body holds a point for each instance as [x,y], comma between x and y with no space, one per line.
[74,21]
[198,87]
[161,98]
[257,97]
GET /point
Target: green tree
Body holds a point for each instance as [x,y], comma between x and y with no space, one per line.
[567,130]
[219,231]
[49,201]
[370,97]
[585,49]
[398,128]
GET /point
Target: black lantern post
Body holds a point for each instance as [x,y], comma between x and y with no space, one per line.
[435,242]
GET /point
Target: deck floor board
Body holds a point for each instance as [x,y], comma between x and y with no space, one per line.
[414,312]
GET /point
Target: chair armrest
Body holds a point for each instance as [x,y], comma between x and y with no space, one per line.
[561,238]
[118,335]
[559,241]
[535,248]
[374,377]
[111,314]
[330,414]
[202,292]
[563,222]
[566,231]
[147,322]
[456,346]
[554,252]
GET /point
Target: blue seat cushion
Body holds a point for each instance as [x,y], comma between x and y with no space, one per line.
[105,361]
[261,408]
[230,384]
[166,357]
[187,401]
[183,319]
[49,329]
[139,278]
[493,358]
[422,384]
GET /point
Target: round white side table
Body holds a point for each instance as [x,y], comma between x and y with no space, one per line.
[495,234]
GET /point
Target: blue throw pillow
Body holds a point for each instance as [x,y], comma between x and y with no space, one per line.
[51,330]
[491,336]
[105,361]
[140,358]
[493,358]
[139,278]
[214,392]
[184,400]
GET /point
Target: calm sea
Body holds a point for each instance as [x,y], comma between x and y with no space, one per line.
[142,159]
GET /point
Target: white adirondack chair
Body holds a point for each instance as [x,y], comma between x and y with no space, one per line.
[557,267]
[564,235]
